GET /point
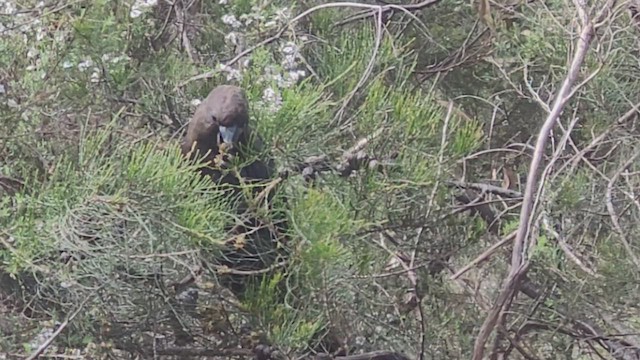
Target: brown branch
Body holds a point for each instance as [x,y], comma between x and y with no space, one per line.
[375,10]
[199,352]
[249,50]
[471,201]
[519,263]
[354,159]
[388,10]
[261,353]
[485,188]
[485,255]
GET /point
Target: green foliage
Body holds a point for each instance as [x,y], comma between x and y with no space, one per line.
[510,226]
[543,248]
[324,219]
[571,192]
[343,69]
[110,213]
[303,117]
[108,182]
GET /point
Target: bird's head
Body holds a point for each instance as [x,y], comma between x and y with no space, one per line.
[220,125]
[227,108]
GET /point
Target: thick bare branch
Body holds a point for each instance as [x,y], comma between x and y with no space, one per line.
[519,261]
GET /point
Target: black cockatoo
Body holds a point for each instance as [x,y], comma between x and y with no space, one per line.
[218,129]
[220,126]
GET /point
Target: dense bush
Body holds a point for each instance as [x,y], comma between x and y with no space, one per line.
[101,218]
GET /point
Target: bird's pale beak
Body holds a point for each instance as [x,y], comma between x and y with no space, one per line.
[230,134]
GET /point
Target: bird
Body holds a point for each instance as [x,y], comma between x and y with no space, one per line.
[219,131]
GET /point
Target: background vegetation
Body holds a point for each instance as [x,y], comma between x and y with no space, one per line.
[410,251]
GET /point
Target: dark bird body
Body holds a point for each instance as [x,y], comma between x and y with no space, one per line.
[218,130]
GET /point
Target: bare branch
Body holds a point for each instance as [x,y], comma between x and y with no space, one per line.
[486,188]
[519,261]
[484,256]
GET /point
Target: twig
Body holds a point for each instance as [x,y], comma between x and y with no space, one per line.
[64,324]
[485,255]
[351,160]
[375,355]
[11,185]
[443,145]
[612,212]
[388,9]
[186,43]
[225,270]
[374,55]
[629,114]
[565,247]
[485,188]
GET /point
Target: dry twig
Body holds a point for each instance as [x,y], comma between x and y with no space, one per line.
[612,212]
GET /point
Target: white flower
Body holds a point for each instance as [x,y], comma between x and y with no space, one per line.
[282,83]
[270,70]
[114,59]
[223,2]
[120,58]
[140,6]
[84,65]
[195,102]
[269,95]
[272,99]
[297,75]
[289,62]
[290,48]
[32,53]
[40,33]
[9,8]
[231,38]
[232,74]
[135,12]
[59,36]
[230,19]
[290,51]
